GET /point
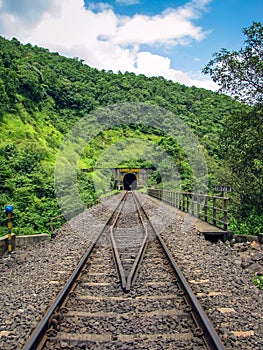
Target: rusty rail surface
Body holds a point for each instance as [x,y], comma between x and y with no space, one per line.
[211,338]
[211,209]
[206,330]
[39,336]
[116,255]
[127,282]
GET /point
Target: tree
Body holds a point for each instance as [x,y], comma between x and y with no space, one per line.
[42,95]
[242,147]
[240,73]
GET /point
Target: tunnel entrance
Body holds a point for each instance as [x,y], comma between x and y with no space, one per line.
[130,182]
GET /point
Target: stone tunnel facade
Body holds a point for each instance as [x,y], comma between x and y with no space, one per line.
[130,178]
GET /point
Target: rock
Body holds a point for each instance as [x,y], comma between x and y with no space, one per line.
[257,256]
[241,247]
[255,245]
[246,262]
[64,345]
[255,268]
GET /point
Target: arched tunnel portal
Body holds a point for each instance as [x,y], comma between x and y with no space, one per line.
[130,182]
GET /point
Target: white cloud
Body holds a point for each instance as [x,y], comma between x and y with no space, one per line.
[205,84]
[25,13]
[155,65]
[98,6]
[127,2]
[104,39]
[166,29]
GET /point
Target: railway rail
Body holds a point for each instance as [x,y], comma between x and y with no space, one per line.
[147,304]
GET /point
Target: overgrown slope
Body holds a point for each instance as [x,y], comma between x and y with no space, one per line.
[42,95]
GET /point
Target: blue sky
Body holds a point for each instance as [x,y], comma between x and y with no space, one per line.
[174,39]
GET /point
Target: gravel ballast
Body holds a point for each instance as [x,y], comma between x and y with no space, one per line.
[32,278]
[214,272]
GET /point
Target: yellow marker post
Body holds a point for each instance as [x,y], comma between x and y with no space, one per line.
[9,210]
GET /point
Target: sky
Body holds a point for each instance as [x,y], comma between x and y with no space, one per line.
[171,38]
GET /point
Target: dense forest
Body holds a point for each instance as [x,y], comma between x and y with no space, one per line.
[43,95]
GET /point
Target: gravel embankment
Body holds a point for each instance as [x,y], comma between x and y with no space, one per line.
[32,278]
[215,273]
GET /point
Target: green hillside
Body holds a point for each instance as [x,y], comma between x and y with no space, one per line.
[43,95]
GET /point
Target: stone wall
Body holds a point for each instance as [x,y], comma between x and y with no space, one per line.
[21,241]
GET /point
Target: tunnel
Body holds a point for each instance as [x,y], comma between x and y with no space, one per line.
[129,182]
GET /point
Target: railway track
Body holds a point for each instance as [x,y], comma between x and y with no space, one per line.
[147,304]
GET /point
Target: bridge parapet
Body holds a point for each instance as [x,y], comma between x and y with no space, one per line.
[211,209]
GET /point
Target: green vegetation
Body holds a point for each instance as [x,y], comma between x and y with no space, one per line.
[241,74]
[258,281]
[43,95]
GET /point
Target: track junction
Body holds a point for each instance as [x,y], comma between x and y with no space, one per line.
[162,307]
[97,311]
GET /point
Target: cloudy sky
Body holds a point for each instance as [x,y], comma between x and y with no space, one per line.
[171,38]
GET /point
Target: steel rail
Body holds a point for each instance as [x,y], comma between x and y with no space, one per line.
[115,251]
[38,337]
[210,336]
[126,282]
[119,209]
[117,260]
[135,267]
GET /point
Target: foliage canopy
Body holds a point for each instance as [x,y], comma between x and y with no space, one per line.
[240,73]
[43,94]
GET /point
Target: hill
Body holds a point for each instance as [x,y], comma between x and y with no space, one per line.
[43,95]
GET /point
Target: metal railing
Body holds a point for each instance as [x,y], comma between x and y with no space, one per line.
[211,209]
